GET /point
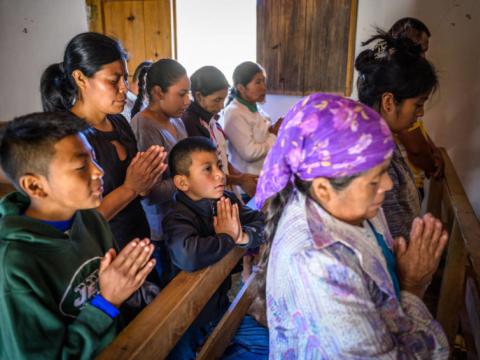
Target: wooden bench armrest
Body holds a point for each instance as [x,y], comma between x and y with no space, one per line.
[221,336]
[448,199]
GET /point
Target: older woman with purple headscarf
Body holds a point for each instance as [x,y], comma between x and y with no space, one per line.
[337,284]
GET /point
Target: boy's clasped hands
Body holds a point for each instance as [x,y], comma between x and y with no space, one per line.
[228,222]
[120,275]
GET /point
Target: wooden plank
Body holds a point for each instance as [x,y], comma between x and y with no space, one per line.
[220,338]
[123,20]
[472,305]
[174,39]
[451,293]
[3,177]
[156,330]
[327,45]
[447,211]
[94,15]
[435,196]
[5,188]
[467,220]
[158,29]
[281,44]
[351,48]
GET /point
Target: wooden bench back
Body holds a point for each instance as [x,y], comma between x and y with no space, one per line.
[459,302]
[156,330]
[5,188]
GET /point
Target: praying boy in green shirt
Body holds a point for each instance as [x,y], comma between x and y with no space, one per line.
[61,281]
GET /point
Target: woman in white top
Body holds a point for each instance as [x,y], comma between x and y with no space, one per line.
[249,131]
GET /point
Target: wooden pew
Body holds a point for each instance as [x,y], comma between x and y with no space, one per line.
[5,188]
[156,330]
[459,302]
[160,325]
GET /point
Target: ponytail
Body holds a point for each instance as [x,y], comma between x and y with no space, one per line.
[57,91]
[163,73]
[87,52]
[242,75]
[232,94]
[141,90]
[273,209]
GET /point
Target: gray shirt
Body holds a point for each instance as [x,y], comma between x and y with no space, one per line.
[402,203]
[148,132]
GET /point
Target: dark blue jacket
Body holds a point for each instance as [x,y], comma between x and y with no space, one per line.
[192,243]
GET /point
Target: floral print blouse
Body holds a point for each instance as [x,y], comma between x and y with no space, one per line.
[330,296]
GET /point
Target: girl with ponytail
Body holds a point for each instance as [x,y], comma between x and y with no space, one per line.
[333,281]
[167,88]
[91,84]
[396,80]
[137,83]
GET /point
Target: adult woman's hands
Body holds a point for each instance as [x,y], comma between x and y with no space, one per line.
[145,169]
[276,126]
[418,260]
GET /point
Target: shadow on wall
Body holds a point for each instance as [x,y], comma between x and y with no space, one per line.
[453,114]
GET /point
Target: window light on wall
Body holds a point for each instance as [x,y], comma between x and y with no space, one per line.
[221,33]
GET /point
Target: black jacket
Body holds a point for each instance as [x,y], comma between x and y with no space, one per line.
[191,118]
[193,244]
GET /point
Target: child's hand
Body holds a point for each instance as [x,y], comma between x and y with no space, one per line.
[145,170]
[227,220]
[121,275]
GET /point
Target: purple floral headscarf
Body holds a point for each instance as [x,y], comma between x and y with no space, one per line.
[324,135]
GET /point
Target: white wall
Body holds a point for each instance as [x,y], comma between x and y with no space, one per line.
[278,105]
[33,34]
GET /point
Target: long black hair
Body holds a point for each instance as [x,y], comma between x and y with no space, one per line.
[394,65]
[87,52]
[140,76]
[163,73]
[408,27]
[207,80]
[242,75]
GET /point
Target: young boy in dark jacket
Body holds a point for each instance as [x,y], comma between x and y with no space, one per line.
[61,281]
[206,222]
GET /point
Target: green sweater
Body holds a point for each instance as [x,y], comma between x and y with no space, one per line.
[46,281]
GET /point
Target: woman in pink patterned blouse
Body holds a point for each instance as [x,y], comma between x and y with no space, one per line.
[337,284]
